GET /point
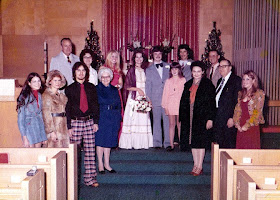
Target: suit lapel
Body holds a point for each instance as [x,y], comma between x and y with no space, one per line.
[155,71]
[228,83]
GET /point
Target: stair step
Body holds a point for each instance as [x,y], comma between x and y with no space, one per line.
[154,179]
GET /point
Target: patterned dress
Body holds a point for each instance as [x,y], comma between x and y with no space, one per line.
[136,131]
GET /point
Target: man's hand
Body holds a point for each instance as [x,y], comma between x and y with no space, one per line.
[209,124]
[230,123]
[25,141]
[53,136]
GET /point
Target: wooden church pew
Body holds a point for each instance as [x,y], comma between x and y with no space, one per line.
[15,184]
[234,161]
[250,185]
[30,156]
[55,169]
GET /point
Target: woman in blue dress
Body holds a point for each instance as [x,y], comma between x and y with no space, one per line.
[110,118]
[29,108]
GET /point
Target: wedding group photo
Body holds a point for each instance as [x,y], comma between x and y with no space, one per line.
[140,99]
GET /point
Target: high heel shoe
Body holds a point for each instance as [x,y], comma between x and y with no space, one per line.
[193,171]
[95,185]
[198,172]
[110,171]
[101,172]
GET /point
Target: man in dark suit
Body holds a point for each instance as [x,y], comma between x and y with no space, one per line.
[156,75]
[226,99]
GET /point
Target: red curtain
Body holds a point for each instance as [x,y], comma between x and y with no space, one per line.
[150,21]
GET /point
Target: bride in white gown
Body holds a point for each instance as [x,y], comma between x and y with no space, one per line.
[136,130]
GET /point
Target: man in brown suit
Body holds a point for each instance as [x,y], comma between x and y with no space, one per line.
[213,72]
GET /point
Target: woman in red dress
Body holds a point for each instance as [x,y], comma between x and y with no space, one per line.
[248,112]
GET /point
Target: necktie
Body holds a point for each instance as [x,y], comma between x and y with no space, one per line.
[68,59]
[211,74]
[159,65]
[83,99]
[220,86]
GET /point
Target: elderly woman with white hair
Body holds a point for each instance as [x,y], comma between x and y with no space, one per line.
[110,118]
[54,103]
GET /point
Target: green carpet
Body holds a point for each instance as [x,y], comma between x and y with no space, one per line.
[150,174]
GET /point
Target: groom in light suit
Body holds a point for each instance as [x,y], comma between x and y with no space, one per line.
[156,75]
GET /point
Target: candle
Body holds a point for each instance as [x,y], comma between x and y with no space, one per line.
[182,42]
[178,40]
[45,58]
[123,41]
[172,56]
[117,44]
[127,52]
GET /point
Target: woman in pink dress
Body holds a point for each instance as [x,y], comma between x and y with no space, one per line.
[171,97]
[248,112]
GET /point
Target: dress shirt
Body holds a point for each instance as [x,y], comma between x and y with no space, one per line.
[159,69]
[73,105]
[221,90]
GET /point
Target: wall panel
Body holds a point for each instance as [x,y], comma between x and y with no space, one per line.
[257,46]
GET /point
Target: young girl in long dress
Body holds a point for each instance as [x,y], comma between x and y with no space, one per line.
[171,97]
[136,131]
[29,108]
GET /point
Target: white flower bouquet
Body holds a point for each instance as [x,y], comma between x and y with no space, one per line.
[142,104]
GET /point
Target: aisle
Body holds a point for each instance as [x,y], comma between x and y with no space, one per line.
[151,174]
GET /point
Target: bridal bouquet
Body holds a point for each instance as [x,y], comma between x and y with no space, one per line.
[142,104]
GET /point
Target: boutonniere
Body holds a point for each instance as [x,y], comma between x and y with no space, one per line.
[167,66]
[189,63]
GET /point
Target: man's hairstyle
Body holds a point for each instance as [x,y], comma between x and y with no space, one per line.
[65,40]
[189,50]
[76,66]
[229,63]
[157,49]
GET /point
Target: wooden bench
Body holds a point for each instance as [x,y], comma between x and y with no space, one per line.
[226,162]
[15,184]
[54,167]
[250,185]
[30,156]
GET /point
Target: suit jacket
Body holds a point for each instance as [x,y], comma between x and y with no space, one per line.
[215,77]
[155,84]
[61,64]
[228,100]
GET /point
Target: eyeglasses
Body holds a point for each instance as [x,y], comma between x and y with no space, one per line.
[105,77]
[87,57]
[223,66]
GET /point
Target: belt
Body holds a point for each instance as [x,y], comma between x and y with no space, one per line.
[109,107]
[63,114]
[83,118]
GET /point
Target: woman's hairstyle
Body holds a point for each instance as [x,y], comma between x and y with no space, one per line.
[179,67]
[76,66]
[198,64]
[189,50]
[145,59]
[255,86]
[108,61]
[55,73]
[93,55]
[26,92]
[103,70]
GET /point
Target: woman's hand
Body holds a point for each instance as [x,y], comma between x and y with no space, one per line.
[140,92]
[25,141]
[95,127]
[209,124]
[53,136]
[70,132]
[244,128]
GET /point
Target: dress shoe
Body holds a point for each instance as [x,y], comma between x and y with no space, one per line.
[111,171]
[198,173]
[95,185]
[101,172]
[157,148]
[169,148]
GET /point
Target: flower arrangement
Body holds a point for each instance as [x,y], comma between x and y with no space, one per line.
[142,104]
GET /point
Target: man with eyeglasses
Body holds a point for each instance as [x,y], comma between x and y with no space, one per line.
[227,90]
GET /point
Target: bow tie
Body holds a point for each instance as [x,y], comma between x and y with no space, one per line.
[159,65]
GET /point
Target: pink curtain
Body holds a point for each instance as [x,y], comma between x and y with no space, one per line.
[149,21]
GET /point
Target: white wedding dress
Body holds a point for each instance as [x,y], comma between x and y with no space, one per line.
[136,130]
